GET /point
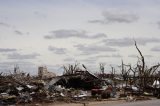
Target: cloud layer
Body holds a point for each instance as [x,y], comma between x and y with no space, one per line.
[92,49]
[57,50]
[158,24]
[63,33]
[4,24]
[124,42]
[116,16]
[156,49]
[7,50]
[136,56]
[112,56]
[23,56]
[18,32]
[37,31]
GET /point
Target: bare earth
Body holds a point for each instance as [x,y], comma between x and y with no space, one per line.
[94,103]
[113,103]
[90,103]
[107,102]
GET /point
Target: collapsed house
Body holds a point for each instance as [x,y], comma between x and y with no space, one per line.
[77,78]
[81,79]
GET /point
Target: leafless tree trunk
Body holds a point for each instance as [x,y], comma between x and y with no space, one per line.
[141,69]
[142,60]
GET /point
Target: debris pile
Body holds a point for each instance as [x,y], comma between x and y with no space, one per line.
[79,84]
[74,85]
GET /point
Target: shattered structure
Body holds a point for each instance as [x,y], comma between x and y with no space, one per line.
[43,73]
[78,84]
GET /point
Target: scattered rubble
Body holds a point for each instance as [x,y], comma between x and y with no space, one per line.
[79,84]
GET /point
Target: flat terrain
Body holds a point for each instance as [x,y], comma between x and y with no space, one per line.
[117,103]
[139,103]
[103,103]
[82,103]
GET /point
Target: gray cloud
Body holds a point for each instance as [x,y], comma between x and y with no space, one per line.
[4,24]
[69,59]
[136,56]
[92,49]
[10,63]
[7,50]
[158,24]
[25,66]
[123,42]
[117,55]
[102,56]
[116,17]
[148,56]
[57,50]
[18,32]
[133,56]
[156,49]
[94,59]
[108,56]
[39,14]
[119,42]
[23,56]
[89,60]
[73,33]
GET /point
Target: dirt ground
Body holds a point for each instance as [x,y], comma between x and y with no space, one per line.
[82,103]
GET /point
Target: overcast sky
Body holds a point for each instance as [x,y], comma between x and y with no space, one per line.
[59,32]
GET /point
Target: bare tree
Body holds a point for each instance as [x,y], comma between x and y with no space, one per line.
[141,67]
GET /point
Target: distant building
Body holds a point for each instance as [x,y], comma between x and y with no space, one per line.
[44,73]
